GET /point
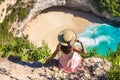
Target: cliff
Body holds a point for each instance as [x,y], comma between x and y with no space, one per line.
[40,5]
[95,69]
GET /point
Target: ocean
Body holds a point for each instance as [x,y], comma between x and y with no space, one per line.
[102,38]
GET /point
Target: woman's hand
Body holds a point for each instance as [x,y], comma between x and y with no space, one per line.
[79,41]
[83,47]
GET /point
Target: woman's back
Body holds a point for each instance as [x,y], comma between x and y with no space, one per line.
[70,62]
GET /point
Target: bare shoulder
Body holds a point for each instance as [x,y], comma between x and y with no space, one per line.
[75,48]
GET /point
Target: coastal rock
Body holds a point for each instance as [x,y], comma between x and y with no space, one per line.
[92,69]
[40,5]
[3,8]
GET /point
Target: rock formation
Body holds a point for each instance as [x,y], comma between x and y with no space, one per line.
[40,5]
[3,8]
[93,69]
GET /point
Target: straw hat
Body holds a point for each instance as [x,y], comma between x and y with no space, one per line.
[67,37]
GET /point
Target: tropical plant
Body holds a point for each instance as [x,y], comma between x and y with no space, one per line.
[111,6]
[114,57]
[25,50]
[39,54]
[92,53]
[114,73]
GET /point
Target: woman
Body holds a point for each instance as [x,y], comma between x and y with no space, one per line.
[70,59]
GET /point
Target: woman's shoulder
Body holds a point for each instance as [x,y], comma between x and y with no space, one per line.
[76,49]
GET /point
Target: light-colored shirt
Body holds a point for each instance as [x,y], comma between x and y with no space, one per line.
[70,63]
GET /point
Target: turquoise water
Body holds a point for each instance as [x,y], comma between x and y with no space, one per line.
[102,38]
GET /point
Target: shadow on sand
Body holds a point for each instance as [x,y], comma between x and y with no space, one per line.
[77,13]
[34,64]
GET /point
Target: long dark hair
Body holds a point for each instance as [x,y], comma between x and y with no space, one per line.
[66,49]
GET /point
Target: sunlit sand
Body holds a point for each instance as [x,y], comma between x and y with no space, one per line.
[48,24]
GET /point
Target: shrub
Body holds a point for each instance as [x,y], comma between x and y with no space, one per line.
[114,73]
[19,47]
[39,54]
[92,53]
[22,48]
[114,57]
[111,6]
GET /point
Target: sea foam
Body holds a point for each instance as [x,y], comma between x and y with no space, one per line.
[102,37]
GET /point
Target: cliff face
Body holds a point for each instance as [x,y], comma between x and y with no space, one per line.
[40,5]
[3,8]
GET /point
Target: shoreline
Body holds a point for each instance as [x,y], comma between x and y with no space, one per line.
[50,22]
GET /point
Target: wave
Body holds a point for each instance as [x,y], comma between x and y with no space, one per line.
[103,37]
[88,41]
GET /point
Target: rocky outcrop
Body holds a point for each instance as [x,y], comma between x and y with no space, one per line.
[3,8]
[40,5]
[93,69]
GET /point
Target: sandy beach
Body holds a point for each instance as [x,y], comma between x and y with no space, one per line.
[50,22]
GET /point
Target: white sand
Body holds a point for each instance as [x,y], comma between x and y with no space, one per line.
[47,25]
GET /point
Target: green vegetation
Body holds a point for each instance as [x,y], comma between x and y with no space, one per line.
[18,47]
[23,49]
[111,6]
[18,12]
[113,57]
[1,1]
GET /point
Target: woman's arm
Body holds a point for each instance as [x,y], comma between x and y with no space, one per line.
[54,54]
[77,49]
[83,50]
[83,47]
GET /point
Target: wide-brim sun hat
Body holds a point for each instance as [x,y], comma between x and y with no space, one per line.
[67,37]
